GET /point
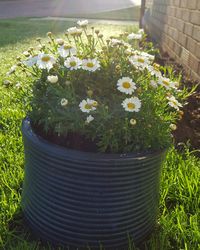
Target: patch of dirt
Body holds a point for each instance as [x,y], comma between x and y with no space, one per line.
[188,128]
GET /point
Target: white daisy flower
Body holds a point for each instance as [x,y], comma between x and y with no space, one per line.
[147,55]
[139,62]
[74,31]
[154,71]
[45,61]
[90,64]
[66,50]
[82,23]
[32,60]
[134,36]
[126,85]
[132,104]
[166,82]
[141,31]
[174,103]
[87,105]
[89,119]
[52,79]
[115,42]
[63,102]
[153,84]
[72,63]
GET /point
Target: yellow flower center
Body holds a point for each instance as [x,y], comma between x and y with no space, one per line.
[156,66]
[126,85]
[66,47]
[131,105]
[72,64]
[166,83]
[88,106]
[141,60]
[46,58]
[90,64]
[175,103]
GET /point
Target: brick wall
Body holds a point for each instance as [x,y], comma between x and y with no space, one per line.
[175,24]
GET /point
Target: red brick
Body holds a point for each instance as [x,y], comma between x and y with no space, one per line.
[195,17]
[192,4]
[196,33]
[188,28]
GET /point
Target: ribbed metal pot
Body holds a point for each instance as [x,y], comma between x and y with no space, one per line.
[79,198]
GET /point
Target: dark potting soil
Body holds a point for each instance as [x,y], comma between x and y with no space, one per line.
[72,140]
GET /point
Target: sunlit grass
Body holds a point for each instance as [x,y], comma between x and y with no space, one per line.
[177,226]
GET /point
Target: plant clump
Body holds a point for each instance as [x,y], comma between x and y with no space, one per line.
[106,90]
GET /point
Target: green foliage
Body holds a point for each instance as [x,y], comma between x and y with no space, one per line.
[83,96]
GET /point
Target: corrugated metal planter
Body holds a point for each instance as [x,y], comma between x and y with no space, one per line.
[78,198]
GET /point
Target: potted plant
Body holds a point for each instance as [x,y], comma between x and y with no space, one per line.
[100,122]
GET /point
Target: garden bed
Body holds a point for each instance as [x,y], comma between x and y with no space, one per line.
[188,127]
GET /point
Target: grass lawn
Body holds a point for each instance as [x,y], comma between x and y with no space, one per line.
[132,13]
[177,224]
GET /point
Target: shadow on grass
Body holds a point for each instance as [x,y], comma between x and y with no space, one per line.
[20,29]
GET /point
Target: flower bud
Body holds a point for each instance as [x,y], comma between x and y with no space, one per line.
[139,90]
[173,126]
[90,93]
[49,34]
[181,113]
[97,32]
[95,104]
[52,79]
[38,39]
[118,67]
[63,102]
[60,41]
[133,122]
